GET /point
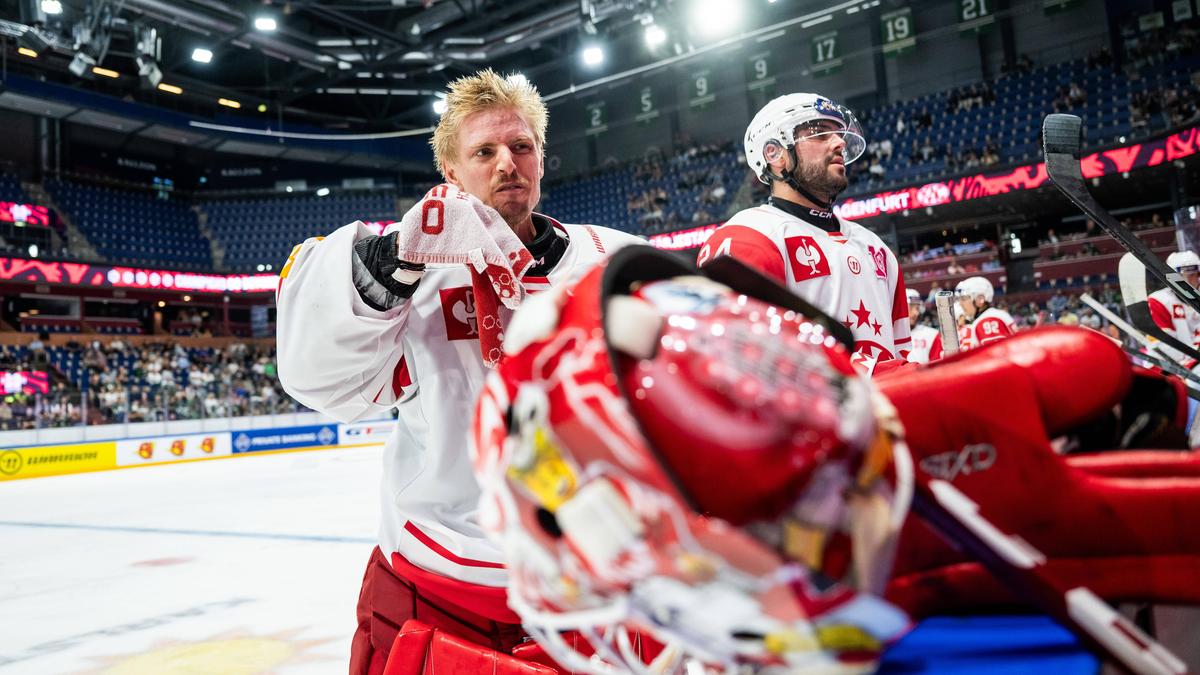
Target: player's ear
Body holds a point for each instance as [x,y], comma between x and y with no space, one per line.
[451,175]
[775,156]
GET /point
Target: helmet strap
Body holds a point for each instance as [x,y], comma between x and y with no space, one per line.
[789,179]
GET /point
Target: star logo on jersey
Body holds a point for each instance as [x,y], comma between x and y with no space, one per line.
[862,315]
[458,311]
[879,257]
[807,260]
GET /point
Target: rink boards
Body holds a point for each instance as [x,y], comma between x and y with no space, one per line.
[59,459]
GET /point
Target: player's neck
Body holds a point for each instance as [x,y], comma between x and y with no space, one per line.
[813,215]
[781,190]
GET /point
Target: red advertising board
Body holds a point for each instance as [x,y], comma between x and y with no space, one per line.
[24,214]
[27,381]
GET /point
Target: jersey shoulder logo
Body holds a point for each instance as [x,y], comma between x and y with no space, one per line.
[806,258]
[458,310]
[879,257]
[1177,311]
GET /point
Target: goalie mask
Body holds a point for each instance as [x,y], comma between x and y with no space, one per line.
[663,456]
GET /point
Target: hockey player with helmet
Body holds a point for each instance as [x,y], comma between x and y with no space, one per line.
[363,329]
[922,335]
[1169,312]
[984,324]
[800,145]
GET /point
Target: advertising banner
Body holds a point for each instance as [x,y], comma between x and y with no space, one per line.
[160,449]
[364,433]
[286,438]
[54,460]
[27,381]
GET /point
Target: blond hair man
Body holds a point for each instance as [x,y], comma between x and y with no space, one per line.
[361,331]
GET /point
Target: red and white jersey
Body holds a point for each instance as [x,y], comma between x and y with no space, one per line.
[989,325]
[922,341]
[339,356]
[1170,314]
[844,269]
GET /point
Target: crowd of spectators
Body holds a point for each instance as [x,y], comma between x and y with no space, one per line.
[681,191]
[122,382]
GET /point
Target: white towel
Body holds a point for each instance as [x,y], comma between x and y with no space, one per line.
[449,226]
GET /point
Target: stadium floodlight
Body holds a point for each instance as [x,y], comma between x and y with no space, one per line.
[439,106]
[149,46]
[323,192]
[169,88]
[655,35]
[52,6]
[714,17]
[593,55]
[33,250]
[265,24]
[202,55]
[26,51]
[107,72]
[81,65]
[229,103]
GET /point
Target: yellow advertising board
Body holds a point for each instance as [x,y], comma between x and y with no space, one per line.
[54,460]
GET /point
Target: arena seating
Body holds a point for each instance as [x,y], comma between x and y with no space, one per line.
[263,231]
[134,228]
[11,190]
[142,382]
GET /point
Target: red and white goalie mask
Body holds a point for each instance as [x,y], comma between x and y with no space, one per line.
[663,456]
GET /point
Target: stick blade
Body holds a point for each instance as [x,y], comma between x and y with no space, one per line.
[1062,135]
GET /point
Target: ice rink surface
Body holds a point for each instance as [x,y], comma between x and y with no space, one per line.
[241,566]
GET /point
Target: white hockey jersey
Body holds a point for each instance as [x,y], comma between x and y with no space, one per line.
[1174,317]
[339,356]
[841,267]
[922,341]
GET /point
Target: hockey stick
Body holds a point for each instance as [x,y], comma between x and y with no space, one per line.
[947,327]
[1021,567]
[1133,292]
[1152,355]
[1062,136]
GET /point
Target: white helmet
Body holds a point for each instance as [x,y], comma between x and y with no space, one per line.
[975,287]
[1182,259]
[777,122]
[914,296]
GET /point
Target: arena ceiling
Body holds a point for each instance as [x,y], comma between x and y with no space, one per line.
[354,64]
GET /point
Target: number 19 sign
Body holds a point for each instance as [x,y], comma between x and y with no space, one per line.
[899,35]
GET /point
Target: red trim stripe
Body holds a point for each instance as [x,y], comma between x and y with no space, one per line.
[446,553]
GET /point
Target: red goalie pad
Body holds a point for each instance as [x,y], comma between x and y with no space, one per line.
[983,422]
[422,650]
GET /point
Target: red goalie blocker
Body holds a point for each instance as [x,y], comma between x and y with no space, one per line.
[1122,523]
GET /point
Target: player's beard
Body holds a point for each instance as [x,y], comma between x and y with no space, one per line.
[819,180]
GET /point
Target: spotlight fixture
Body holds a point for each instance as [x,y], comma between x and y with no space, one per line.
[654,35]
[81,65]
[593,55]
[169,88]
[149,47]
[202,55]
[265,24]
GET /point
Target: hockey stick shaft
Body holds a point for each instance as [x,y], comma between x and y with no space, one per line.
[947,327]
[1062,137]
[1021,567]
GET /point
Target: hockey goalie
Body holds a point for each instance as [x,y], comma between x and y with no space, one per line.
[686,474]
